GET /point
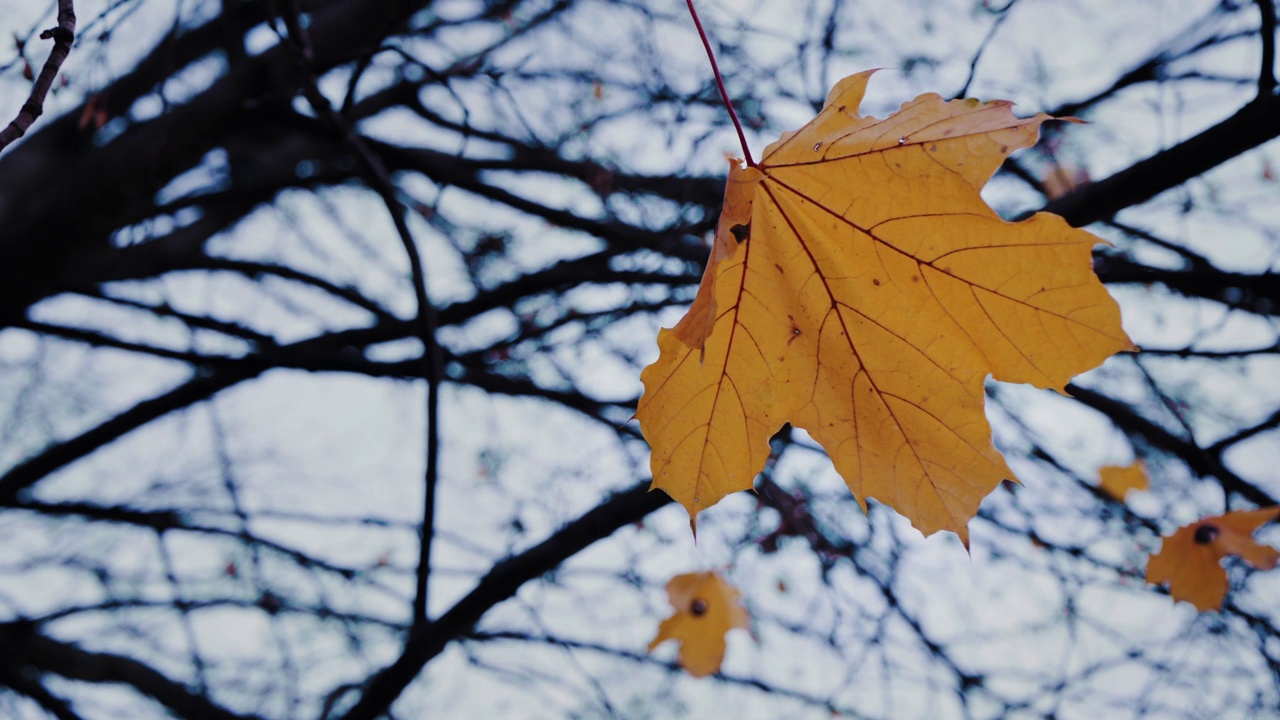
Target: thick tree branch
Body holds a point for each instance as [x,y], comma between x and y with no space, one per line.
[1258,294]
[1203,461]
[101,181]
[46,655]
[1267,34]
[1248,128]
[27,682]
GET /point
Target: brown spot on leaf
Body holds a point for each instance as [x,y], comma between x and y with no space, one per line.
[741,232]
[795,330]
[1206,533]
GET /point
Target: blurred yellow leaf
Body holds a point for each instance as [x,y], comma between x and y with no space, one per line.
[860,288]
[1116,480]
[1190,559]
[706,607]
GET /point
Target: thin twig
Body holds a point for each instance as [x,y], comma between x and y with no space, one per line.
[724,94]
[64,35]
[428,319]
[1001,16]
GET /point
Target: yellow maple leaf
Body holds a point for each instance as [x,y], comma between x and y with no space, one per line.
[706,607]
[860,288]
[1117,481]
[1190,559]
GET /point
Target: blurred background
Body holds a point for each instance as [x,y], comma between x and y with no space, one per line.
[321,324]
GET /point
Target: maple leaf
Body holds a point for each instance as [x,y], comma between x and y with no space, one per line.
[706,607]
[1190,559]
[861,289]
[1117,481]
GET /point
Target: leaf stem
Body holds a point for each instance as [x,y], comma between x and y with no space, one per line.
[724,94]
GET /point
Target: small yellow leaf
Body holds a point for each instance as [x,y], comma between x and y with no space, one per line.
[1116,481]
[1190,559]
[706,607]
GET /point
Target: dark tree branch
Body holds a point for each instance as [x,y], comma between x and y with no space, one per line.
[672,667]
[1249,127]
[97,339]
[247,115]
[428,318]
[1267,33]
[46,655]
[105,182]
[64,36]
[1259,294]
[15,482]
[339,351]
[501,583]
[284,272]
[1221,446]
[1204,461]
[1001,15]
[464,174]
[166,520]
[27,682]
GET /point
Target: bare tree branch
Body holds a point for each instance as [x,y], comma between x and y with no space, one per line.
[1251,126]
[1267,35]
[64,36]
[501,583]
[46,655]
